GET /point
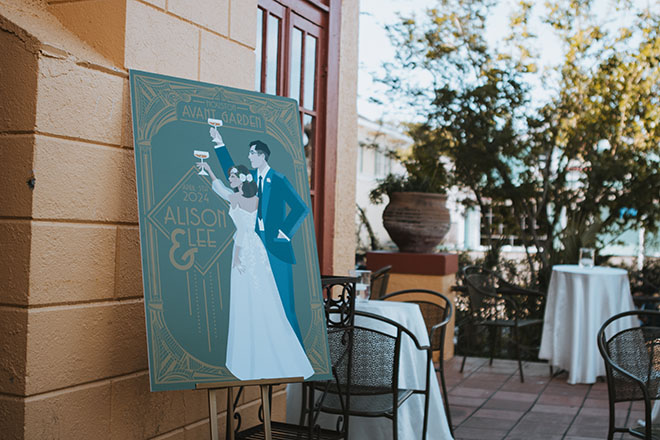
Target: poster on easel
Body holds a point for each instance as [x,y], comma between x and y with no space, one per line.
[230,269]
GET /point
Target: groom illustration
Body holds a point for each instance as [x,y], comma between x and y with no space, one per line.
[274,224]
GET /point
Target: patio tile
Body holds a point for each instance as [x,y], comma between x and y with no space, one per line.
[464,391]
[471,364]
[499,414]
[555,409]
[536,368]
[596,403]
[491,403]
[465,401]
[590,426]
[599,412]
[460,413]
[547,419]
[560,399]
[501,369]
[600,386]
[520,397]
[572,437]
[536,428]
[483,374]
[596,393]
[639,405]
[531,385]
[535,436]
[489,422]
[562,388]
[507,404]
[479,434]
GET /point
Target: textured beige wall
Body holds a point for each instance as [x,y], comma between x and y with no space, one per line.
[99,23]
[345,239]
[73,353]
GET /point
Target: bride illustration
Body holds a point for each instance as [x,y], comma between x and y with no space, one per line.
[261,343]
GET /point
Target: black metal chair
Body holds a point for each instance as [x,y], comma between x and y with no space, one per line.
[370,377]
[493,304]
[632,365]
[437,311]
[379,280]
[645,294]
[339,308]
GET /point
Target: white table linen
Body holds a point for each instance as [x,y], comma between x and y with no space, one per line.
[411,375]
[579,301]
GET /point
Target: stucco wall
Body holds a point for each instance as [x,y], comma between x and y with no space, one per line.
[344,229]
[73,359]
[73,352]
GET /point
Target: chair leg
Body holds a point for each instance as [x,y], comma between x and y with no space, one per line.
[395,424]
[425,427]
[463,363]
[493,338]
[303,405]
[610,432]
[444,395]
[516,338]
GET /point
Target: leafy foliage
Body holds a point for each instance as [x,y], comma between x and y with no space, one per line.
[425,169]
[581,163]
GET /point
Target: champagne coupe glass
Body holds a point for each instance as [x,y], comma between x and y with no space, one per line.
[201,155]
[214,122]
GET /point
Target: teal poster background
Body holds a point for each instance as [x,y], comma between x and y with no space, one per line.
[186,233]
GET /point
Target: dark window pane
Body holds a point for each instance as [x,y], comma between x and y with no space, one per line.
[309,132]
[272,54]
[258,51]
[296,65]
[310,71]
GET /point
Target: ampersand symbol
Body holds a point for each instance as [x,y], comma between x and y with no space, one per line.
[188,255]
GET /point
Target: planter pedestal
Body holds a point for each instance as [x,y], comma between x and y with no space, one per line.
[420,271]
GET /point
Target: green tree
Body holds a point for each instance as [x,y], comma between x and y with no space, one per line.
[584,162]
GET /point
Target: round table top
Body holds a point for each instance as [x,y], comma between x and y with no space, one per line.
[596,270]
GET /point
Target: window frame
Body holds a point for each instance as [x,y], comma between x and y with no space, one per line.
[321,20]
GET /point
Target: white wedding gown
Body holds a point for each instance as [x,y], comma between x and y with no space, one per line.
[260,343]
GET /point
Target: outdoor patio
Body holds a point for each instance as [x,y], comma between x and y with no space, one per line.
[490,403]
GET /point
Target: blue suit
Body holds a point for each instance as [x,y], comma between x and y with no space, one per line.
[278,194]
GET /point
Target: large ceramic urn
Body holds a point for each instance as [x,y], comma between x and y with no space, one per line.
[416,222]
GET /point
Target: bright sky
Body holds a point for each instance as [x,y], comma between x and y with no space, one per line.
[374,47]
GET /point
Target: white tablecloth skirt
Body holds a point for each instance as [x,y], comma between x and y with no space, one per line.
[579,301]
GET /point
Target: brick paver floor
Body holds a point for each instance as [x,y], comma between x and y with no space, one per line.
[490,403]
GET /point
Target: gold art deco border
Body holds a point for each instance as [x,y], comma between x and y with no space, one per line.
[155,101]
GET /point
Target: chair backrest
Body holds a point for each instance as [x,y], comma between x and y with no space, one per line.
[471,270]
[482,294]
[339,300]
[379,280]
[436,309]
[632,358]
[376,355]
[339,295]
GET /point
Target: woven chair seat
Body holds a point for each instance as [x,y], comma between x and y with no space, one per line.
[366,402]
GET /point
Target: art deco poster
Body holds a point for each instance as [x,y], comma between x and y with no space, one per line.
[229,263]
